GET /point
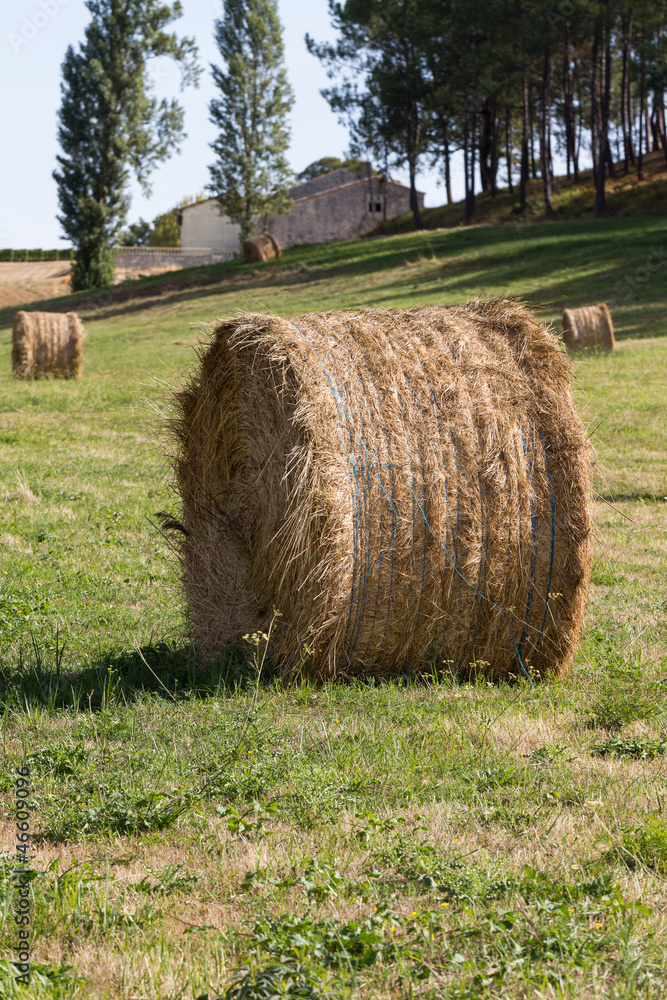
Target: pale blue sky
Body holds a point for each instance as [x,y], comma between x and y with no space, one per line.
[34,35]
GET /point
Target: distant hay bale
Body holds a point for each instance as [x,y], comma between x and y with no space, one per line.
[261,247]
[589,326]
[406,487]
[47,344]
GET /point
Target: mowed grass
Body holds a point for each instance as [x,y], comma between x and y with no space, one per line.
[198,832]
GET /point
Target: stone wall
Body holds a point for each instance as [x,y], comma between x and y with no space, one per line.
[140,258]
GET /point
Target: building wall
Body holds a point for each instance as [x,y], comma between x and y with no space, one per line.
[322,212]
[203,226]
[341,213]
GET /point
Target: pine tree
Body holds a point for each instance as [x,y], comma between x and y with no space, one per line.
[251,173]
[112,125]
[382,43]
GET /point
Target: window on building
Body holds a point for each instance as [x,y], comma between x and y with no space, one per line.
[289,237]
[375,204]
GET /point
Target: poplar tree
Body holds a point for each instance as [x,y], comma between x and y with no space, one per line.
[250,174]
[112,125]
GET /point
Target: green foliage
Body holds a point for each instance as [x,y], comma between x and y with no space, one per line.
[646,845]
[325,165]
[422,864]
[47,982]
[549,753]
[165,231]
[616,709]
[18,612]
[635,747]
[111,125]
[116,811]
[288,978]
[136,235]
[251,172]
[351,944]
[58,758]
[169,880]
[251,822]
[383,43]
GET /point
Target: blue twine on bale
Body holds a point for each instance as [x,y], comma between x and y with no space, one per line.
[360,475]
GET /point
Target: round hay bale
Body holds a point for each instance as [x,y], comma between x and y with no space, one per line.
[47,344]
[261,247]
[589,326]
[405,487]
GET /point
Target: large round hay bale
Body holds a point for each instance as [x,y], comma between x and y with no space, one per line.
[47,344]
[405,487]
[589,326]
[261,247]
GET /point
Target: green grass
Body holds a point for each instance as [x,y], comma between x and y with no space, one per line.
[197,832]
[625,195]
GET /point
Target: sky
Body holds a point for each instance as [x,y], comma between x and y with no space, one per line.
[34,35]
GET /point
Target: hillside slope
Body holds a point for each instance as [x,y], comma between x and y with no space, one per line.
[550,265]
[626,196]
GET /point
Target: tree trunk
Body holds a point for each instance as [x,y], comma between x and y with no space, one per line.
[473,149]
[545,134]
[630,111]
[495,153]
[660,116]
[642,97]
[655,127]
[411,142]
[467,212]
[596,130]
[531,119]
[567,100]
[660,105]
[605,98]
[578,135]
[523,180]
[484,146]
[508,146]
[626,117]
[447,163]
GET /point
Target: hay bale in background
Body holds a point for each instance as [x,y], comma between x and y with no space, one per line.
[261,247]
[47,344]
[590,326]
[406,487]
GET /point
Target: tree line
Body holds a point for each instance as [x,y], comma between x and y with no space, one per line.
[506,84]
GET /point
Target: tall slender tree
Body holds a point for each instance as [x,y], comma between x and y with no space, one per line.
[112,125]
[251,174]
[383,42]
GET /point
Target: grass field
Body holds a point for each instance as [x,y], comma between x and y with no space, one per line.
[431,839]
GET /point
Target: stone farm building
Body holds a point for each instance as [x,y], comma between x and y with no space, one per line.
[335,206]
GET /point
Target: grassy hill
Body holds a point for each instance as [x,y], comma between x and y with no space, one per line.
[438,839]
[626,196]
[550,265]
